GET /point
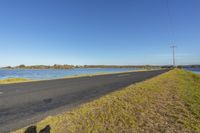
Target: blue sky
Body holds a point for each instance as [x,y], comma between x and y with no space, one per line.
[118,32]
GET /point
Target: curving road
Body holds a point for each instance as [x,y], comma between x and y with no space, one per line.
[25,103]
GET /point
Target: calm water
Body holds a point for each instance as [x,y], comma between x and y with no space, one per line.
[195,70]
[52,74]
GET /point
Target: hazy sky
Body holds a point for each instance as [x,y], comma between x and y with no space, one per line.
[120,32]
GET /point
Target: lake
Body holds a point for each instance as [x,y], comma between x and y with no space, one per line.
[39,74]
[195,70]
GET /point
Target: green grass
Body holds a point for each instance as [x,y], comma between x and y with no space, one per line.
[13,80]
[167,103]
[190,93]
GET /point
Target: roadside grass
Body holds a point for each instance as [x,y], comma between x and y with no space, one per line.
[167,103]
[104,73]
[19,80]
[13,80]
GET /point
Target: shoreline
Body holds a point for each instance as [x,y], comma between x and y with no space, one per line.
[23,80]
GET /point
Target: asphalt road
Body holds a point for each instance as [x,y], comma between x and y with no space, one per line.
[25,103]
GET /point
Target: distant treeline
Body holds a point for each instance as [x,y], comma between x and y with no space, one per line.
[56,66]
[188,66]
[118,66]
[42,67]
[181,66]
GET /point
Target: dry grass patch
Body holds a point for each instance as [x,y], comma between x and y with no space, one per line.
[13,80]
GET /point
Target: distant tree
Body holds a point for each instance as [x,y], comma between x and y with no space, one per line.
[22,66]
[8,67]
[180,67]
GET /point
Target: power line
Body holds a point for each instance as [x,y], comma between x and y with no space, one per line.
[173,49]
[171,30]
[170,22]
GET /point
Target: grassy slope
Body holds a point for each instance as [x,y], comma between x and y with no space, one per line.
[13,80]
[167,103]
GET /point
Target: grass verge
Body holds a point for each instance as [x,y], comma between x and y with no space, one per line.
[167,103]
[13,80]
[19,80]
[105,73]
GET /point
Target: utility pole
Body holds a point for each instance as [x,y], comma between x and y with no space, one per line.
[174,61]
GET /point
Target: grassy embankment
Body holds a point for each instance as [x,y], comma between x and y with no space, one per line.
[167,103]
[13,80]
